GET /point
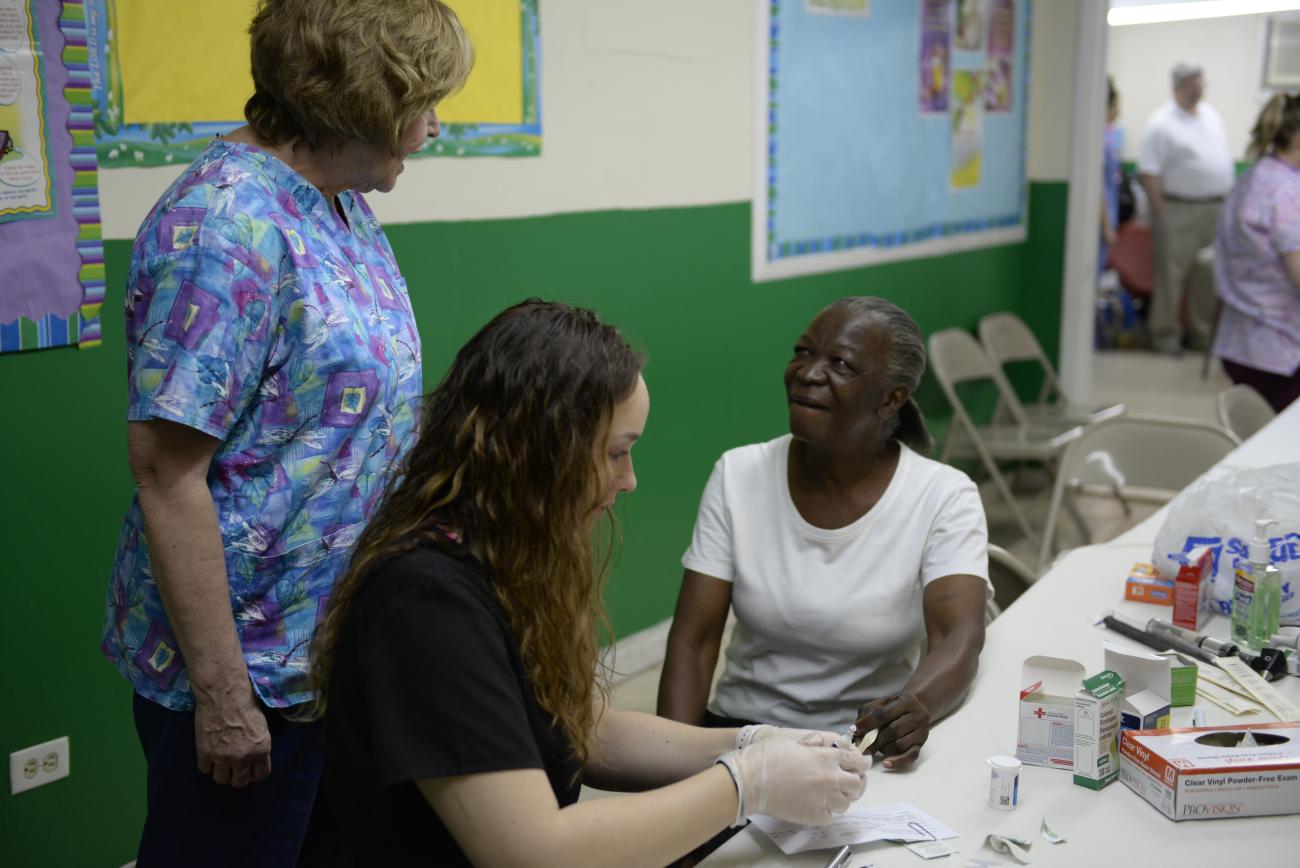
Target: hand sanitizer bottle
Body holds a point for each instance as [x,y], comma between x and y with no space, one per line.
[1257,583]
[1267,603]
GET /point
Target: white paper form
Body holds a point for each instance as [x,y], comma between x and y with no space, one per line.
[900,822]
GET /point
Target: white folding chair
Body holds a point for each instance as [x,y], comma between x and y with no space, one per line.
[1124,456]
[956,358]
[1007,339]
[1243,411]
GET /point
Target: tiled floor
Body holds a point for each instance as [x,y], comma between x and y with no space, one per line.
[1147,383]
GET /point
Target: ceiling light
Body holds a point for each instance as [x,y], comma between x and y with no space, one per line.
[1157,13]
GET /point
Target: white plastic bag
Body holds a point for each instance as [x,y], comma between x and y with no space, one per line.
[1220,510]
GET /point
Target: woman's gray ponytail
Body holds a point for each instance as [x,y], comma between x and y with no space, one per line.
[904,365]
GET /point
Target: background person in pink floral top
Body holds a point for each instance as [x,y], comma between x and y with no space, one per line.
[273,370]
[1257,260]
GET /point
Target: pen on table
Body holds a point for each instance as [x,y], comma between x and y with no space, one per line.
[841,857]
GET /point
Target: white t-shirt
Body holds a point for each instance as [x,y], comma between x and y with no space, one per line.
[1189,153]
[828,619]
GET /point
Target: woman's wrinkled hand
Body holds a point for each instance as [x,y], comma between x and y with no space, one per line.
[903,724]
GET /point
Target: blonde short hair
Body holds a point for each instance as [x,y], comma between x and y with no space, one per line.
[330,71]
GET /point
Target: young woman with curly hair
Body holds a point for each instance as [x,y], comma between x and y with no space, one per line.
[457,663]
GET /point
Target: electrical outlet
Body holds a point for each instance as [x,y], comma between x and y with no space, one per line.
[38,764]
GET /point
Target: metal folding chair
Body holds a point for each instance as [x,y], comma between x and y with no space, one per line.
[1243,411]
[1007,339]
[956,358]
[1126,456]
[1001,559]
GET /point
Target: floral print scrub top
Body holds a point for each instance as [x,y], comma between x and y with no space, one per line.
[1260,324]
[256,314]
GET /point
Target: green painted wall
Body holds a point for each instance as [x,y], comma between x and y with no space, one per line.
[676,280]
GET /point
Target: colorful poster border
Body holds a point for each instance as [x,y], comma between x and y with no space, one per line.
[81,328]
[51,206]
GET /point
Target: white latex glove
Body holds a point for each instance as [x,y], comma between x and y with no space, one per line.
[795,782]
[756,732]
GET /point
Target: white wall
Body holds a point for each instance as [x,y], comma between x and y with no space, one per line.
[1229,49]
[644,105]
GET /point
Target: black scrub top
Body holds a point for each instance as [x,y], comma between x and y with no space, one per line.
[427,682]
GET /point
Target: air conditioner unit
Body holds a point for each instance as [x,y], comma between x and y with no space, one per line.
[1282,53]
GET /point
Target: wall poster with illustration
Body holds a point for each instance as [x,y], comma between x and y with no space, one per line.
[893,130]
[51,254]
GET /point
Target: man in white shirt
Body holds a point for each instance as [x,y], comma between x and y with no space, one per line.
[1186,169]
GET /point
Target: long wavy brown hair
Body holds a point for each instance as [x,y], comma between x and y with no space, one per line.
[509,468]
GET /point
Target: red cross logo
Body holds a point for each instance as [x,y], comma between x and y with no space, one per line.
[1039,713]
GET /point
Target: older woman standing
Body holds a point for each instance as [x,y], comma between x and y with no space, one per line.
[857,567]
[273,376]
[1257,261]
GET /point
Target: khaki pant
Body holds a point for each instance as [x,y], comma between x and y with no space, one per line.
[1177,233]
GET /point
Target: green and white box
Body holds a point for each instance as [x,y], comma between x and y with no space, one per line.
[1096,730]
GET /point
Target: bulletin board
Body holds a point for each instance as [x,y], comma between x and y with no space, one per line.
[889,129]
[51,252]
[161,94]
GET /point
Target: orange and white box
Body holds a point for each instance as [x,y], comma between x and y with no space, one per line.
[1145,585]
[1215,772]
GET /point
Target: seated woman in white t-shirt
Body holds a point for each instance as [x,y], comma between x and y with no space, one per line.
[857,567]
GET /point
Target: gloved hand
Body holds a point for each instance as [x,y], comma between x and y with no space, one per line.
[757,732]
[795,782]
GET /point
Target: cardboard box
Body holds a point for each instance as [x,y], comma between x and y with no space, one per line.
[1192,595]
[1096,730]
[1145,585]
[1147,685]
[1046,732]
[1205,773]
[1145,709]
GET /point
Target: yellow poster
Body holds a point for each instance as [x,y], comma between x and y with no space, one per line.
[183,62]
[967,132]
[494,93]
[188,62]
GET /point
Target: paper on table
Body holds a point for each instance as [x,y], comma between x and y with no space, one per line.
[1213,674]
[931,849]
[1016,848]
[1260,689]
[900,822]
[1227,700]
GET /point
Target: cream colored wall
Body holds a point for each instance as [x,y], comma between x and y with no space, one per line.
[1229,49]
[644,105]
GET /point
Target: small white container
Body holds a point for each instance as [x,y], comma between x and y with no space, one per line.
[1004,782]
